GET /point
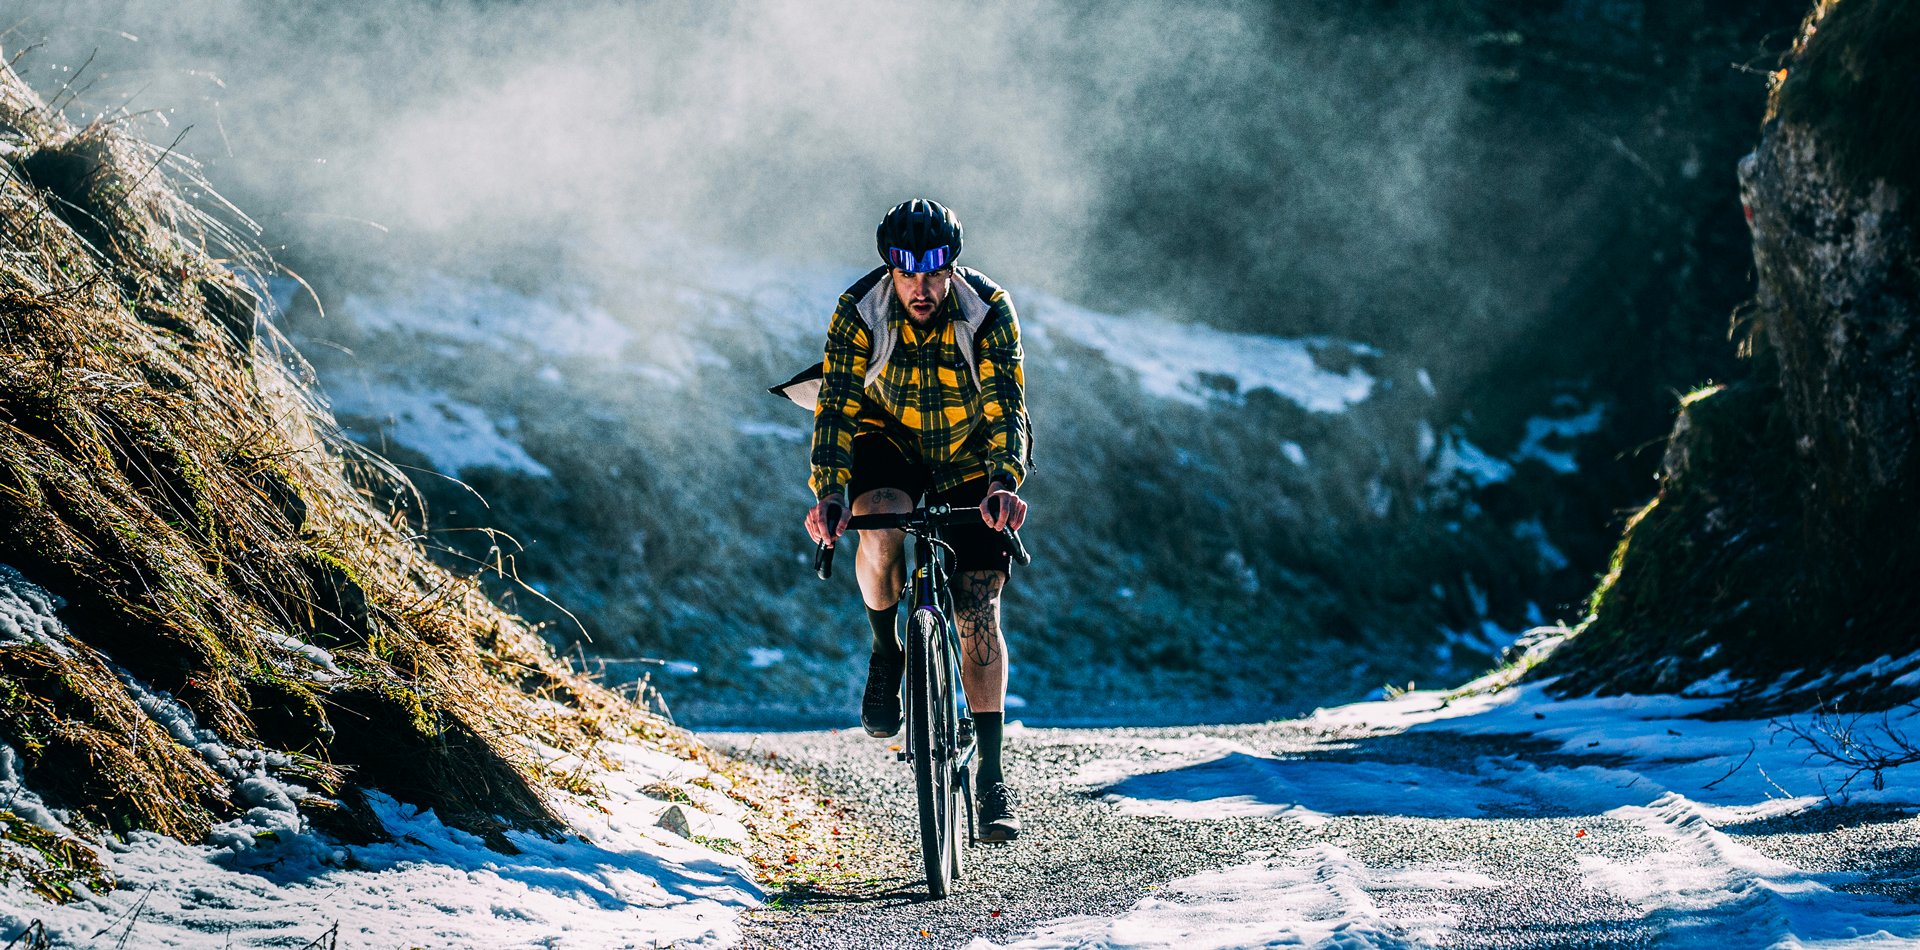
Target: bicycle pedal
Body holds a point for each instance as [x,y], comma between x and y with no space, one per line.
[903,756]
[966,732]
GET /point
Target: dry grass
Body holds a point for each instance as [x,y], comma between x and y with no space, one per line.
[164,468]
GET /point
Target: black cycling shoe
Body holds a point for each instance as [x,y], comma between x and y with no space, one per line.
[997,820]
[880,708]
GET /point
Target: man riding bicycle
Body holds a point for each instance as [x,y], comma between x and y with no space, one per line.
[922,394]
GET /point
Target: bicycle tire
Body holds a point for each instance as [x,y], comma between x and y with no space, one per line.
[930,691]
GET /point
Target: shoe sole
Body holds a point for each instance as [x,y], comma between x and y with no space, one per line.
[877,734]
[997,834]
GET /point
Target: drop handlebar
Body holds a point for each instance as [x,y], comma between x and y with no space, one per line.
[918,521]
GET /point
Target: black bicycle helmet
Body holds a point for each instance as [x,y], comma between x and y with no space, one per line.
[919,236]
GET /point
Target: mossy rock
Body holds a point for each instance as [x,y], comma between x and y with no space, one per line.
[1713,562]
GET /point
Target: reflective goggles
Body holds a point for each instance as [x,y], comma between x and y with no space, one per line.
[921,263]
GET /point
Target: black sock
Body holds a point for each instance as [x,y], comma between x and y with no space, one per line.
[884,641]
[987,728]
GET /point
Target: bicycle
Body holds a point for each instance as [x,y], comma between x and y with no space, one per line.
[938,730]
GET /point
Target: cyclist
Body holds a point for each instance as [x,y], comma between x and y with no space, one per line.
[922,395]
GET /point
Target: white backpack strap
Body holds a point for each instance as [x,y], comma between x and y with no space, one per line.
[973,313]
[873,309]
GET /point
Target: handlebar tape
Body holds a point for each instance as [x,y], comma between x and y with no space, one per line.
[1015,549]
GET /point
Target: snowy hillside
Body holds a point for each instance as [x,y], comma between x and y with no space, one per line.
[1238,524]
[621,878]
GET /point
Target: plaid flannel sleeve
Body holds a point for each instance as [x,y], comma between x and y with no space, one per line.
[1003,386]
[836,417]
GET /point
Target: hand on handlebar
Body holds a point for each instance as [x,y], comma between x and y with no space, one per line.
[828,519]
[1003,510]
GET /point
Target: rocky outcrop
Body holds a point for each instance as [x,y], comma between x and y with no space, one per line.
[1782,545]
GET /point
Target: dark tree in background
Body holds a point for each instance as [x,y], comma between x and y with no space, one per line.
[1580,231]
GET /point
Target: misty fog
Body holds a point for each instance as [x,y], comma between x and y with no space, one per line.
[1078,142]
[586,233]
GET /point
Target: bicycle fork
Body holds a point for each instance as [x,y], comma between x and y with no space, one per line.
[923,585]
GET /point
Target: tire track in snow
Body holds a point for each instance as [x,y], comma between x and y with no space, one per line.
[1709,890]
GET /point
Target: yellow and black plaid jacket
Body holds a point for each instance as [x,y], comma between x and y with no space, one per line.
[924,398]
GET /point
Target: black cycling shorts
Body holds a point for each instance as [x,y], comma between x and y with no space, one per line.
[879,463]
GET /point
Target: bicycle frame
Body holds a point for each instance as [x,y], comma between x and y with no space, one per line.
[939,738]
[926,589]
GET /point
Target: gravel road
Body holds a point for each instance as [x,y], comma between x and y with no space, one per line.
[1083,855]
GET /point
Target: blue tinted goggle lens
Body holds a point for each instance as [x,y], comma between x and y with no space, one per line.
[918,263]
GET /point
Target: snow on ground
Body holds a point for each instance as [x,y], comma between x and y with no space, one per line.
[452,434]
[1193,363]
[1643,760]
[619,880]
[1315,897]
[1541,430]
[1712,891]
[1457,456]
[1546,441]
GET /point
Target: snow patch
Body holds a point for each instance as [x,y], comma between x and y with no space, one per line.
[27,613]
[1317,897]
[454,436]
[1708,890]
[1457,456]
[1193,363]
[1540,429]
[1242,784]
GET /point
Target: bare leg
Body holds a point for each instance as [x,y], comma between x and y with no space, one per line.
[880,562]
[983,648]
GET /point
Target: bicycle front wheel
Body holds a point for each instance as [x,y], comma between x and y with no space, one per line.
[931,737]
